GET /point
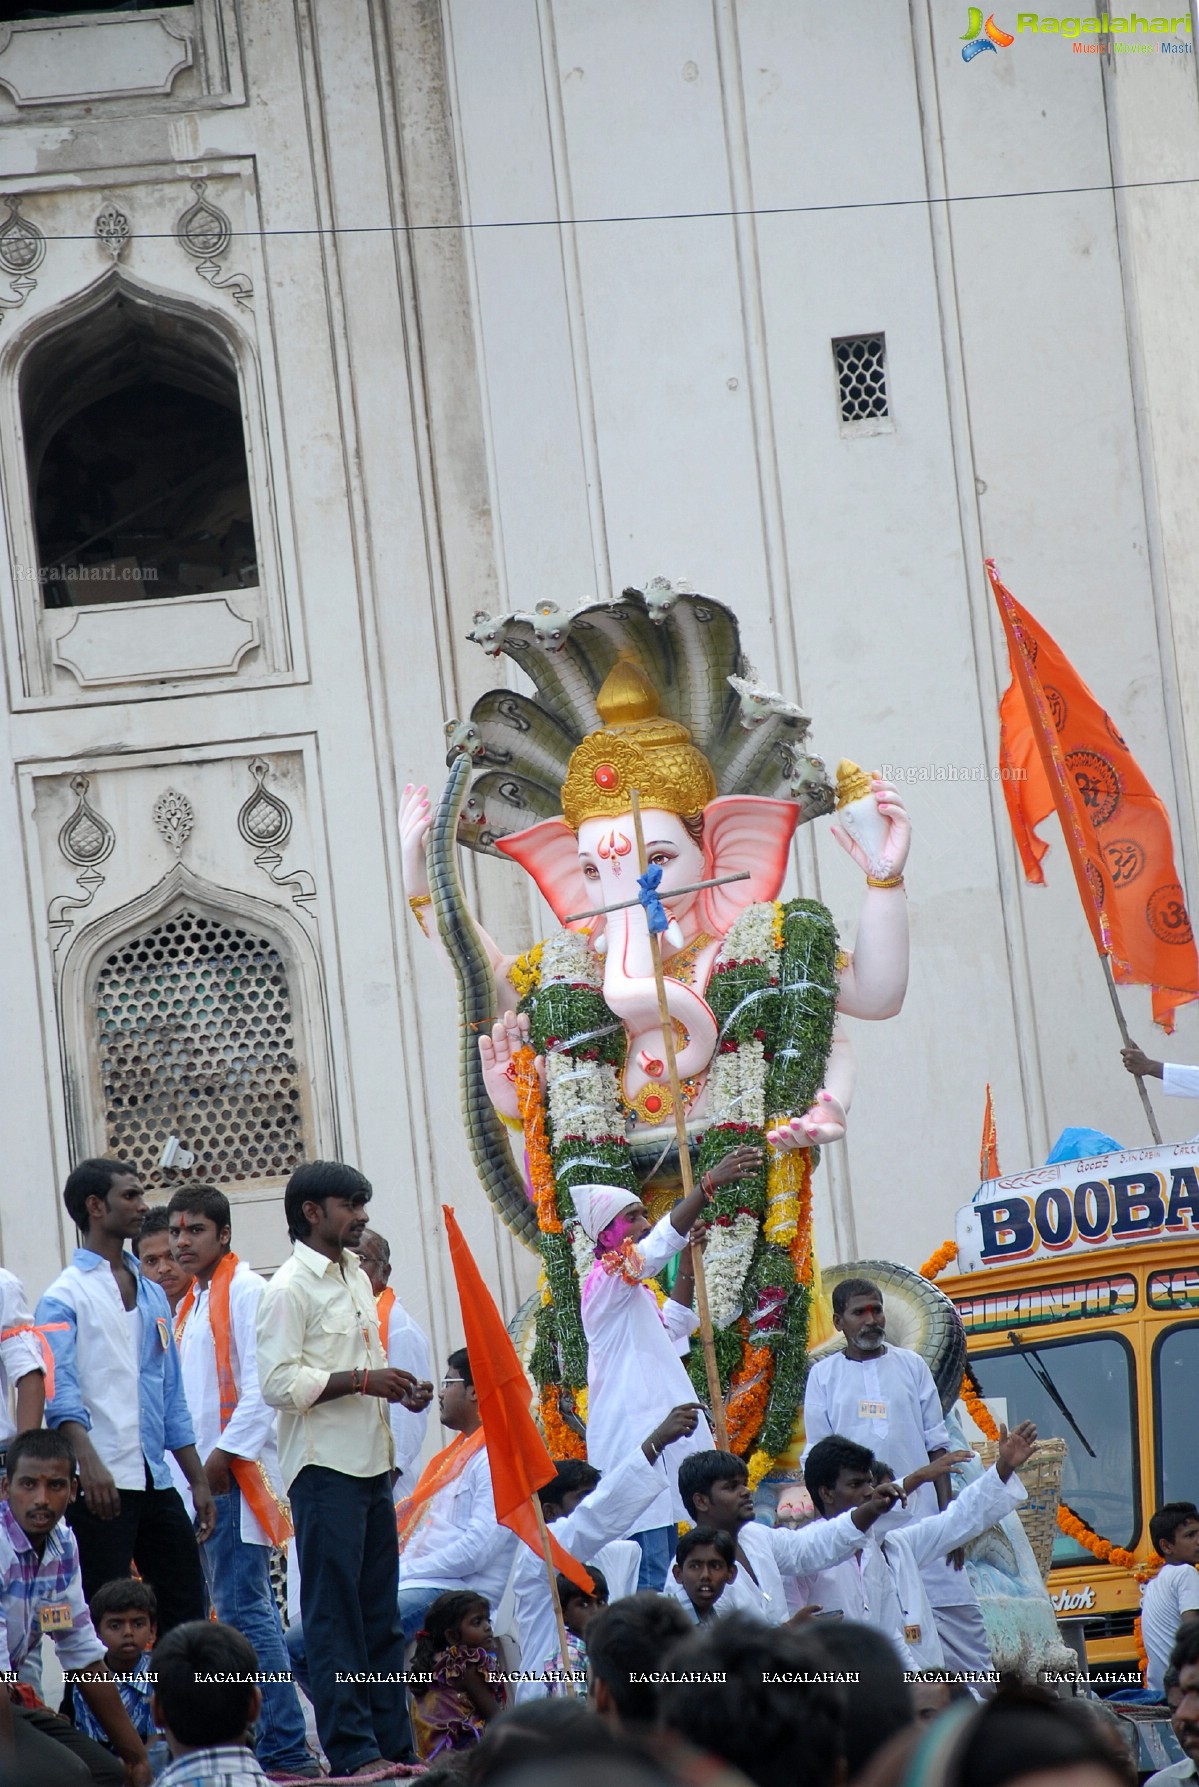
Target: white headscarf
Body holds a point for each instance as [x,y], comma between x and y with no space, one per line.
[598,1205]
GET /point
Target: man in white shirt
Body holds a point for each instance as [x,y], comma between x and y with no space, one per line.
[406,1347]
[449,1536]
[715,1491]
[884,1397]
[22,1362]
[235,1436]
[1170,1600]
[634,1372]
[1177,1080]
[321,1365]
[883,1583]
[119,1397]
[583,1521]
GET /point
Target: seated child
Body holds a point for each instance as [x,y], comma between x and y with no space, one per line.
[1171,1599]
[125,1615]
[705,1562]
[578,1610]
[453,1691]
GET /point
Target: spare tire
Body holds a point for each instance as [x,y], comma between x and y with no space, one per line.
[919,1317]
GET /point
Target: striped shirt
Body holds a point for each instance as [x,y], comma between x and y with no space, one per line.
[43,1594]
[135,1691]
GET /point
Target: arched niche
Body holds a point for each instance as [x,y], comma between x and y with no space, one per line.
[137,489]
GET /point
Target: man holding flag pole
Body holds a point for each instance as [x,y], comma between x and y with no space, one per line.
[516,1453]
[1059,751]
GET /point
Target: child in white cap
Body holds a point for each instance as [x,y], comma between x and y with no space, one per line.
[635,1374]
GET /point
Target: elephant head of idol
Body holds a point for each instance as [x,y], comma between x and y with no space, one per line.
[587,860]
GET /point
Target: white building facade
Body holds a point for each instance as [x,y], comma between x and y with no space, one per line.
[325,324]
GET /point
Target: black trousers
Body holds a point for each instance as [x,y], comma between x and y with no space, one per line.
[49,1752]
[152,1531]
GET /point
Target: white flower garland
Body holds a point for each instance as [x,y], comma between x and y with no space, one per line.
[584,1098]
[726,1261]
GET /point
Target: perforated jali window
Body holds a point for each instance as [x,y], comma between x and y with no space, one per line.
[862,377]
[195,1039]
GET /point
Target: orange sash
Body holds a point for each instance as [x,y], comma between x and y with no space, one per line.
[39,1335]
[437,1474]
[249,1473]
[385,1303]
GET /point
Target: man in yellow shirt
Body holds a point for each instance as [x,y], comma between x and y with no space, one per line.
[321,1365]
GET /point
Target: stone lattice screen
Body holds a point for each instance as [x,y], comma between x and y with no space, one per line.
[195,1038]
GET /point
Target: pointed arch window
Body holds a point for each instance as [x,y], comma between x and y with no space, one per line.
[134,441]
[195,1037]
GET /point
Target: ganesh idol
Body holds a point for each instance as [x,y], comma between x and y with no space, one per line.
[564,1059]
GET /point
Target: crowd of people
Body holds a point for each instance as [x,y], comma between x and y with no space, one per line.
[173,1424]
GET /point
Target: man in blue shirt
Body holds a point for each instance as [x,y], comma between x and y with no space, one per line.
[119,1398]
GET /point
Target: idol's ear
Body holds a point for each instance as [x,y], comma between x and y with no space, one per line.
[744,831]
[549,852]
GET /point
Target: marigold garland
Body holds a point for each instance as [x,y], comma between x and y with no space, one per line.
[937,1262]
[537,1147]
[978,1411]
[745,1405]
[759,1464]
[561,1441]
[525,972]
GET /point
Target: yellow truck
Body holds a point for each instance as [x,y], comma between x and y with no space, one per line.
[1078,1287]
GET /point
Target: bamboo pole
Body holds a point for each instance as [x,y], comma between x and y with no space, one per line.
[1154,1131]
[552,1574]
[680,1123]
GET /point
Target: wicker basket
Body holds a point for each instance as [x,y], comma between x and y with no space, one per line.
[1042,1480]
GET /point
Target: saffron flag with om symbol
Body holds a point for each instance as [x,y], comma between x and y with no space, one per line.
[1059,751]
[516,1453]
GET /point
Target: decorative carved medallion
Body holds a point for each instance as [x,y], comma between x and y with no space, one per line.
[112,230]
[264,820]
[22,251]
[86,838]
[174,817]
[205,232]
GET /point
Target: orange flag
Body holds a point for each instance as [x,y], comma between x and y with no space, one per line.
[1059,751]
[520,1464]
[988,1154]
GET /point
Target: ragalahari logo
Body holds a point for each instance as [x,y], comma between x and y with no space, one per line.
[982,37]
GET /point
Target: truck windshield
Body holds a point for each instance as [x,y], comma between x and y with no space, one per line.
[1094,1376]
[1175,1362]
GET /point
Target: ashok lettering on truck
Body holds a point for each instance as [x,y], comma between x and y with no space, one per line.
[1116,1200]
[1087,1298]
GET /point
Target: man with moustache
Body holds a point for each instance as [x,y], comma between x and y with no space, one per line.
[1185,1718]
[155,1259]
[406,1347]
[884,1398]
[321,1366]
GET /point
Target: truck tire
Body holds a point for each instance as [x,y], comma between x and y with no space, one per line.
[919,1317]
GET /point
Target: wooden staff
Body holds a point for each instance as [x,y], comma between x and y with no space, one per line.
[552,1574]
[1154,1131]
[680,1125]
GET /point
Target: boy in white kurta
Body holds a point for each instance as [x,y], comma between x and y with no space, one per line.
[635,1375]
[884,1397]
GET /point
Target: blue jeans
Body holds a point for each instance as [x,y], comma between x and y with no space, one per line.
[349,1559]
[657,1555]
[238,1577]
[414,1604]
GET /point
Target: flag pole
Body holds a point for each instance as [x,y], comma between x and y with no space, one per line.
[1061,790]
[1154,1131]
[552,1574]
[680,1124]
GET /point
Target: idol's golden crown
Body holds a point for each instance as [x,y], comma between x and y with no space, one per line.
[637,748]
